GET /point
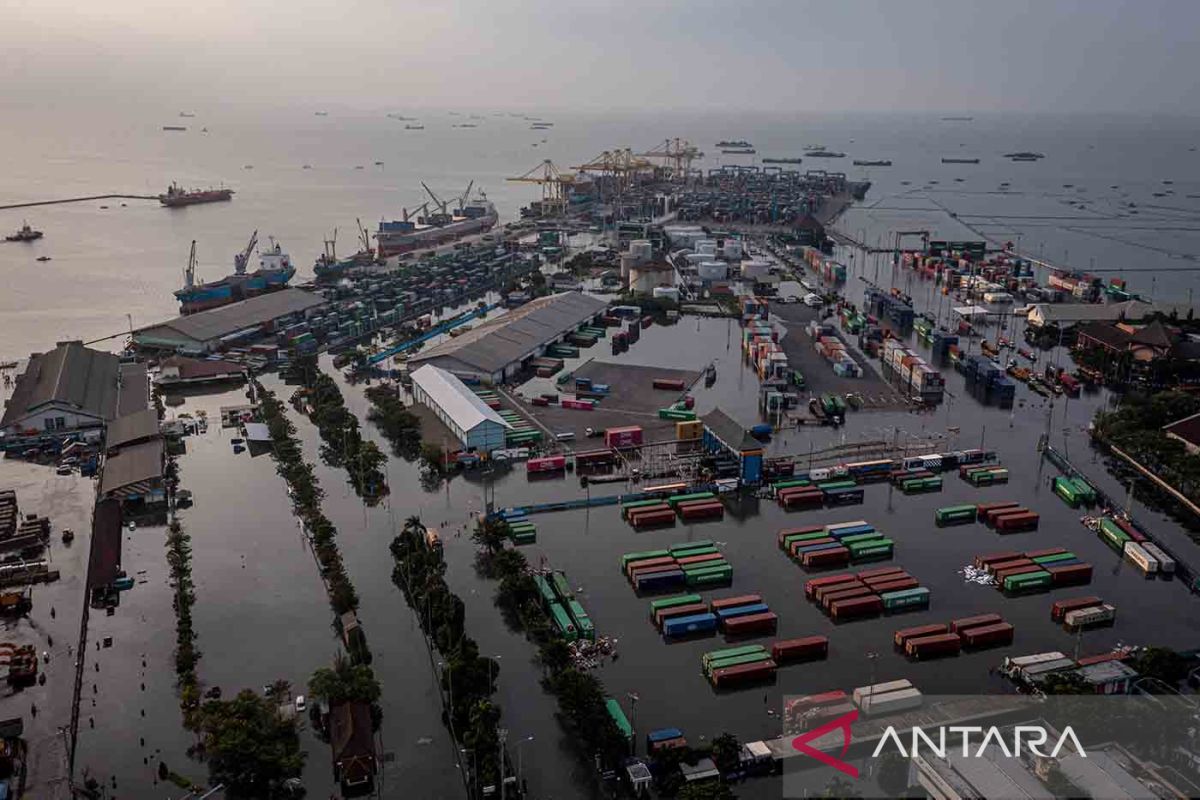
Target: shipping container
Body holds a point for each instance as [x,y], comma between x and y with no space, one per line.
[1055,558]
[646,560]
[686,626]
[1137,555]
[729,612]
[702,558]
[1093,615]
[959,625]
[669,384]
[764,623]
[546,464]
[788,535]
[645,555]
[686,548]
[953,515]
[894,584]
[941,644]
[983,509]
[1166,564]
[905,599]
[733,602]
[995,635]
[646,519]
[904,634]
[1016,522]
[730,652]
[1061,607]
[811,586]
[562,622]
[855,607]
[808,648]
[691,609]
[743,674]
[701,510]
[861,692]
[1071,575]
[824,559]
[659,582]
[1027,581]
[724,661]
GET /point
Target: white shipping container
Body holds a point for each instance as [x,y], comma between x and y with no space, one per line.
[1137,554]
[1166,564]
[891,703]
[879,688]
[1090,616]
[1046,667]
[1020,661]
[839,525]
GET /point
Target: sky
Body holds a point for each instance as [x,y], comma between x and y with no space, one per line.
[593,55]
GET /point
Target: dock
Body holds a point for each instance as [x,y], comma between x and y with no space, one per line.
[11,206]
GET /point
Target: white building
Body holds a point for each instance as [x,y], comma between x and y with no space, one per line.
[476,426]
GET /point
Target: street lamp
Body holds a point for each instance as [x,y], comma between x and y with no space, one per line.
[520,769]
[492,671]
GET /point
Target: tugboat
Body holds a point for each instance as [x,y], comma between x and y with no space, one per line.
[24,234]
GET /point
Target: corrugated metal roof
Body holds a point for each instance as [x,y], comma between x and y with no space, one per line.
[70,374]
[453,397]
[133,464]
[497,343]
[131,427]
[204,326]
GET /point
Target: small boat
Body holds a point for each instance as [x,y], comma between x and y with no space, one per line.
[237,448]
[68,536]
[237,441]
[24,234]
[379,163]
[174,128]
[43,258]
[960,160]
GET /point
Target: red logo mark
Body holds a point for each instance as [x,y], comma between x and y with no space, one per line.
[842,723]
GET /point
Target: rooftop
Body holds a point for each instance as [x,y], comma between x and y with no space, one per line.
[132,427]
[494,344]
[132,469]
[452,395]
[1187,429]
[204,326]
[71,375]
[352,740]
[1111,312]
[729,431]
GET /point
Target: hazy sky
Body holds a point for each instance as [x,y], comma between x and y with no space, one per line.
[797,55]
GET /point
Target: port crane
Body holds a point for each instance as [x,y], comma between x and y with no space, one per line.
[677,155]
[444,215]
[189,274]
[620,165]
[554,183]
[243,258]
[466,195]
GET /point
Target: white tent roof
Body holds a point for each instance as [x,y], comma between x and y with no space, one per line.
[452,395]
[970,311]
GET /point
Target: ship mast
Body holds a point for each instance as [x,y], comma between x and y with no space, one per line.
[189,274]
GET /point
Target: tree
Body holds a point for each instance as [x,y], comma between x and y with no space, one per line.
[345,681]
[249,746]
[490,534]
[706,790]
[726,752]
[1160,663]
[893,774]
[840,789]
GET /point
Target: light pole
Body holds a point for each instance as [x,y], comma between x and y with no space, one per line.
[520,767]
[474,769]
[501,736]
[492,671]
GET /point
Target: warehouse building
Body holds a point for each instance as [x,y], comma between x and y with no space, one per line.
[473,423]
[499,348]
[237,323]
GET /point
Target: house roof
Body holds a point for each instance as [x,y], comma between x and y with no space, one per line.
[352,740]
[205,326]
[193,368]
[1107,334]
[132,469]
[132,427]
[497,343]
[1154,335]
[1187,429]
[462,405]
[1130,309]
[71,375]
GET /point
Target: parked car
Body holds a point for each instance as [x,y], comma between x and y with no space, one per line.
[300,704]
[813,301]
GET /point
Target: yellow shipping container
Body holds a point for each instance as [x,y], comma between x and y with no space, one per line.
[692,429]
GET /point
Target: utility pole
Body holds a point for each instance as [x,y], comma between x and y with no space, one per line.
[501,735]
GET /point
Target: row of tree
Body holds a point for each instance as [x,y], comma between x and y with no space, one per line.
[343,444]
[403,430]
[467,679]
[1136,428]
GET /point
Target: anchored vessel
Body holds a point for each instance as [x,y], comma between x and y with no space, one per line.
[274,272]
[421,228]
[176,196]
[329,267]
[24,234]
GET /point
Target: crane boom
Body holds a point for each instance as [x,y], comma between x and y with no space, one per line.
[437,201]
[243,258]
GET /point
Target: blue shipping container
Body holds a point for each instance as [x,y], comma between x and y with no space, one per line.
[741,611]
[696,623]
[663,734]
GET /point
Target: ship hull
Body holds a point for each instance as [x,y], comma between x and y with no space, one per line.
[398,243]
[180,200]
[224,292]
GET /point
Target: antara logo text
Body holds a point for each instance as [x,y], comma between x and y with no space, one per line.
[1021,739]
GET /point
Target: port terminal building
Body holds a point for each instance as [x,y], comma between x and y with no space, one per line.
[473,423]
[500,348]
[217,328]
[727,440]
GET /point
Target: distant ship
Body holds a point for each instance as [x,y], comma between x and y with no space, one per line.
[782,160]
[883,163]
[186,114]
[176,196]
[420,232]
[734,143]
[957,119]
[823,153]
[24,234]
[960,160]
[174,128]
[541,126]
[329,268]
[320,113]
[1024,155]
[743,151]
[275,270]
[414,127]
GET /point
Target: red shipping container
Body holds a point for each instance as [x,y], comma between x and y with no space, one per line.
[1018,521]
[657,561]
[838,557]
[627,436]
[992,558]
[765,622]
[798,546]
[981,510]
[876,572]
[897,585]
[807,500]
[904,634]
[671,384]
[652,518]
[1000,575]
[845,594]
[1100,658]
[808,648]
[959,625]
[811,586]
[700,559]
[742,674]
[1133,532]
[1071,575]
[1048,551]
[996,566]
[678,611]
[786,532]
[1061,607]
[941,644]
[856,607]
[711,509]
[651,569]
[999,633]
[734,602]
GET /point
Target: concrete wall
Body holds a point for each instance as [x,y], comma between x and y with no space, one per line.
[71,421]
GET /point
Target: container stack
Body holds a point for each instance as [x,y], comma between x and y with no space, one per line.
[987,382]
[867,593]
[679,605]
[833,349]
[887,698]
[1061,608]
[891,310]
[522,432]
[520,529]
[737,666]
[642,514]
[1008,517]
[546,367]
[745,615]
[930,641]
[565,611]
[932,483]
[1035,570]
[1075,492]
[834,545]
[691,564]
[983,476]
[798,493]
[913,372]
[795,651]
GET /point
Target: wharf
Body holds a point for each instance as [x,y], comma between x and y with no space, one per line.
[437,330]
[590,502]
[79,200]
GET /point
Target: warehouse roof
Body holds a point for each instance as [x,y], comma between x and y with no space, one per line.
[132,427]
[132,468]
[204,326]
[451,395]
[71,375]
[1083,312]
[496,343]
[729,431]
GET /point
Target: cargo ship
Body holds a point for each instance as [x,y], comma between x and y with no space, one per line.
[431,229]
[24,234]
[823,153]
[960,160]
[881,163]
[740,151]
[274,272]
[782,160]
[734,143]
[329,268]
[176,196]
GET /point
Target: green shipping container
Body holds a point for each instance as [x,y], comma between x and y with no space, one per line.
[582,622]
[1028,580]
[561,587]
[544,590]
[1084,490]
[860,538]
[1052,559]
[647,554]
[524,537]
[908,598]
[674,501]
[702,566]
[790,484]
[677,550]
[803,537]
[730,652]
[618,716]
[748,658]
[830,485]
[674,600]
[563,623]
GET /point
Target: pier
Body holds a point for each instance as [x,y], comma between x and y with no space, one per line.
[11,206]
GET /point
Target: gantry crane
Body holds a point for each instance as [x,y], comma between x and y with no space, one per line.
[677,154]
[620,165]
[554,183]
